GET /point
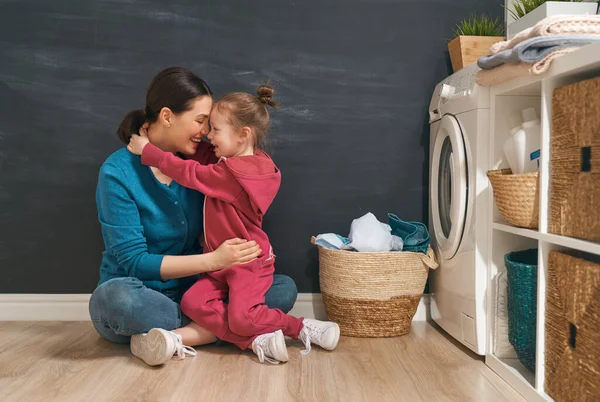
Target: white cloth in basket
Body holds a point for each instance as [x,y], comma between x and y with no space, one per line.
[367,234]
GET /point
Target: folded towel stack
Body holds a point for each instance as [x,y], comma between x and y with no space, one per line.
[533,50]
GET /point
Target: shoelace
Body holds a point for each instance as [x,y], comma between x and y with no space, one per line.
[181,350]
[307,334]
[258,346]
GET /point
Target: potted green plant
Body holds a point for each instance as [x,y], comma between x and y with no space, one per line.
[523,14]
[473,38]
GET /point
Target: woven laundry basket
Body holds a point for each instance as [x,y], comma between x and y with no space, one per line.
[572,323]
[373,294]
[517,196]
[521,270]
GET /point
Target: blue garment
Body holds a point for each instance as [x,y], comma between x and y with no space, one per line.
[122,307]
[331,241]
[142,220]
[414,234]
[535,49]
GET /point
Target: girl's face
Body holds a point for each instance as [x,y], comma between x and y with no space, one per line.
[185,130]
[223,136]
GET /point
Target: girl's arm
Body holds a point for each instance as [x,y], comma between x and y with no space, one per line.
[214,180]
[205,154]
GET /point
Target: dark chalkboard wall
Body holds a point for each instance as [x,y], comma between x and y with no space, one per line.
[354,79]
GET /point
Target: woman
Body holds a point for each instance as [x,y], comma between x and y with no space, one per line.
[151,228]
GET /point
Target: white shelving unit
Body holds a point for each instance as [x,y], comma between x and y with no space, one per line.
[509,99]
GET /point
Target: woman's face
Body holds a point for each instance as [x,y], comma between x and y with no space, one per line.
[185,130]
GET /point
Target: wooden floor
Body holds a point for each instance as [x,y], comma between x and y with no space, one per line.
[67,361]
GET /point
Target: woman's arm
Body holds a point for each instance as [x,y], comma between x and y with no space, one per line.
[124,237]
[231,252]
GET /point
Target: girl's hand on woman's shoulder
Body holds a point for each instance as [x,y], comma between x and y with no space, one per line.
[137,142]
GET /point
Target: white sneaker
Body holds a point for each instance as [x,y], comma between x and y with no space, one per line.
[326,334]
[270,347]
[158,346]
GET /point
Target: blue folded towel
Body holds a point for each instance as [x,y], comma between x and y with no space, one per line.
[414,234]
[331,241]
[535,49]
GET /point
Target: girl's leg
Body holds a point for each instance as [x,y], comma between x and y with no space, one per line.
[204,304]
[265,327]
[281,295]
[249,316]
[246,321]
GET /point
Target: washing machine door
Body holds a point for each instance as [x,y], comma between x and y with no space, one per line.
[449,186]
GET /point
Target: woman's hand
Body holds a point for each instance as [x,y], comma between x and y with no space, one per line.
[231,252]
[138,142]
[236,251]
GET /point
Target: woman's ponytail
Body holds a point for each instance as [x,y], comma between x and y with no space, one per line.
[131,124]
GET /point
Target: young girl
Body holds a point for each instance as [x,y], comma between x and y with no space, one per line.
[240,182]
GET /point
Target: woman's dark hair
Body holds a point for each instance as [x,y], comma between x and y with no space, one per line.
[175,88]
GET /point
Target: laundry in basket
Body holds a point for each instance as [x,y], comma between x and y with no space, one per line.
[367,234]
[331,241]
[414,234]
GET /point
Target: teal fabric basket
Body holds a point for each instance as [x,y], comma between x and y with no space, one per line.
[521,267]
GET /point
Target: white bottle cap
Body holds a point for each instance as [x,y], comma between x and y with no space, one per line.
[529,114]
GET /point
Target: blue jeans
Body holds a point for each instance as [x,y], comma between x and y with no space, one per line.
[122,307]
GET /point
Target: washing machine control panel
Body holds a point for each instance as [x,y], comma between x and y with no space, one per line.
[458,93]
[463,82]
[446,91]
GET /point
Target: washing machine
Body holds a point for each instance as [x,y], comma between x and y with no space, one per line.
[458,206]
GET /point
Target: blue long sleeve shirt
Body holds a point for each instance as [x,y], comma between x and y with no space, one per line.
[143,220]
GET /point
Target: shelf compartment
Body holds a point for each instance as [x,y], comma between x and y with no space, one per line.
[532,234]
[571,243]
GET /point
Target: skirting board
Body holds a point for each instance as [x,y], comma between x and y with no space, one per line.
[74,307]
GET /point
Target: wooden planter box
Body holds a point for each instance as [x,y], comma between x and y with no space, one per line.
[465,50]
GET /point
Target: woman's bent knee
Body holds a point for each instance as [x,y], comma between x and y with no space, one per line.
[113,309]
[115,297]
[282,294]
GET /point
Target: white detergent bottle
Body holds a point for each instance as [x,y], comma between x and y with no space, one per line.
[532,140]
[510,153]
[509,150]
[519,142]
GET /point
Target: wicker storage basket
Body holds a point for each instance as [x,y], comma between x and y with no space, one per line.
[521,269]
[373,294]
[575,161]
[572,329]
[517,196]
